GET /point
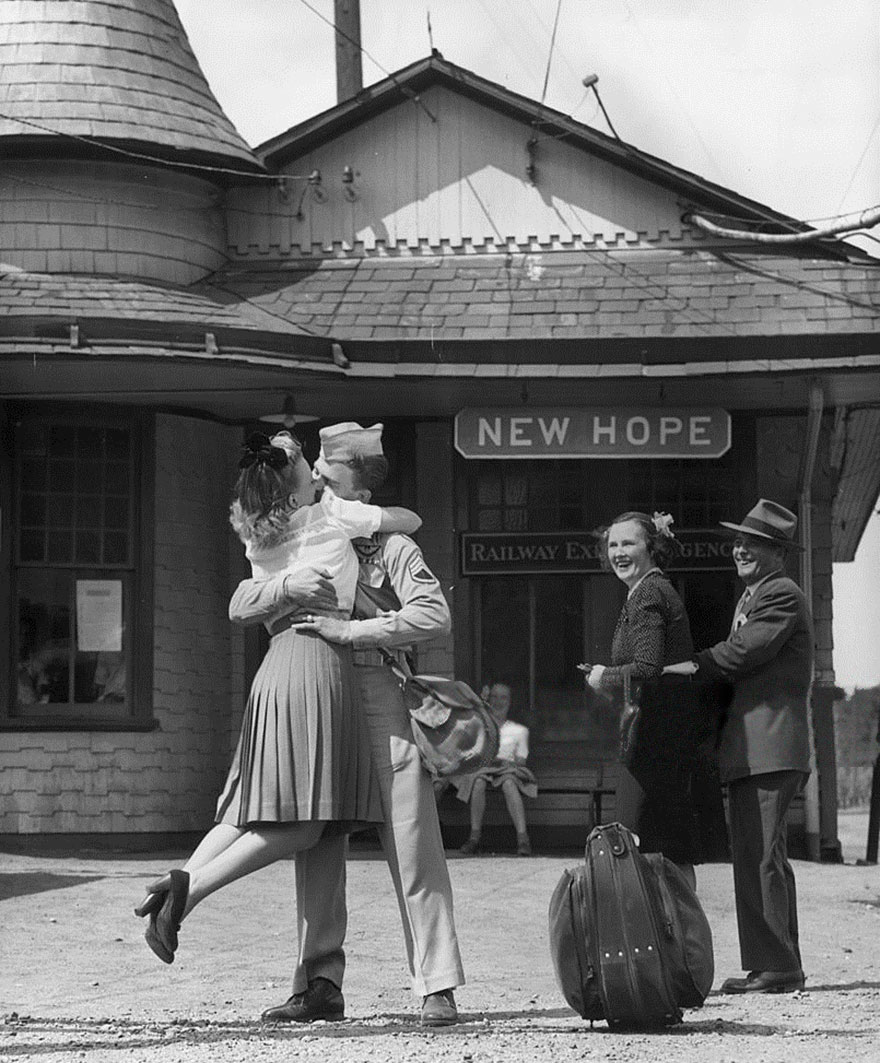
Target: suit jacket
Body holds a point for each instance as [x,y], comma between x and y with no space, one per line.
[769,661]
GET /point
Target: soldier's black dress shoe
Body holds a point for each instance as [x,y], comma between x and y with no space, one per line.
[321,1000]
[438,1009]
[765,982]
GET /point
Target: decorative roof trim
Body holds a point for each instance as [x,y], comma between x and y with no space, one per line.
[435,70]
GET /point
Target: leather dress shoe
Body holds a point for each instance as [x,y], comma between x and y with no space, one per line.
[321,1000]
[438,1009]
[765,982]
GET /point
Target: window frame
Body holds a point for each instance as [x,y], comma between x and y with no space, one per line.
[137,577]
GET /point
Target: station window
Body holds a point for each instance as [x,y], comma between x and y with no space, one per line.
[79,623]
[548,496]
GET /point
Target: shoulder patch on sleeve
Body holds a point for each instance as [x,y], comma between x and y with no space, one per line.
[420,572]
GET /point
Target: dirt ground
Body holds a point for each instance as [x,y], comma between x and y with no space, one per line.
[77,981]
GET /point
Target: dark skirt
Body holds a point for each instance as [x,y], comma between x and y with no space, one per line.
[671,794]
[304,751]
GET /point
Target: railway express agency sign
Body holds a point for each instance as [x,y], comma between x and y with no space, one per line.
[592,432]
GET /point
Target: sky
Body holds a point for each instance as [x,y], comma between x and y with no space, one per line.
[778,100]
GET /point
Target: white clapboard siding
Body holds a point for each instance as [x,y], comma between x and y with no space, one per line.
[460,181]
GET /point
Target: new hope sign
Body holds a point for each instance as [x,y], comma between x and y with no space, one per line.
[600,432]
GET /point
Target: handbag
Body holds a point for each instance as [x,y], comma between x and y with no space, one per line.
[453,728]
[629,723]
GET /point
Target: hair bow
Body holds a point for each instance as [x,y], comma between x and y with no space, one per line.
[662,522]
[258,450]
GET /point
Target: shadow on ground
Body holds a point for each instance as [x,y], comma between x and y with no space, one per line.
[21,884]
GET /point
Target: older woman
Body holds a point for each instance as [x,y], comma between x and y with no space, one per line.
[654,792]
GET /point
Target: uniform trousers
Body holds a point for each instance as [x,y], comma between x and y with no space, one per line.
[766,898]
[413,847]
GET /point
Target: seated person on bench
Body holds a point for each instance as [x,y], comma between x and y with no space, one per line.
[508,772]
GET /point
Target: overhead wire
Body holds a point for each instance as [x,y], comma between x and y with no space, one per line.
[678,100]
[408,92]
[816,289]
[550,51]
[500,30]
[96,142]
[560,51]
[858,166]
[165,208]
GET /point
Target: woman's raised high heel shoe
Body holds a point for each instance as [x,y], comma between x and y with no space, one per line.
[161,934]
[151,904]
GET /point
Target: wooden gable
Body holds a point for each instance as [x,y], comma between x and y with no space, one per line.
[461,180]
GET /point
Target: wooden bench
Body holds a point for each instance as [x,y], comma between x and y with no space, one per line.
[570,802]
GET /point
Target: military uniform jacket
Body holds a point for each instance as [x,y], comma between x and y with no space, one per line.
[399,600]
[769,661]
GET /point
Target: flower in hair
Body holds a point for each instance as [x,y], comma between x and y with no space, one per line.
[258,450]
[662,522]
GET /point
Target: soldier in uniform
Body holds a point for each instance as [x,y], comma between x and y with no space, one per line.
[399,603]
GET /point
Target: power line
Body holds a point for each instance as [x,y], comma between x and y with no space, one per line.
[502,33]
[859,163]
[550,53]
[670,84]
[560,51]
[143,157]
[408,92]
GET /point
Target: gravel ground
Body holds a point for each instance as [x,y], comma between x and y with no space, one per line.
[78,982]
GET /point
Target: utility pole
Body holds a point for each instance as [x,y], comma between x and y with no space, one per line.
[349,74]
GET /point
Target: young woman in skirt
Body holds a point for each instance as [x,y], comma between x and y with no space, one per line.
[303,762]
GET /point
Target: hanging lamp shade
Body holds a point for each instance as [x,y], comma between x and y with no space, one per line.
[288,416]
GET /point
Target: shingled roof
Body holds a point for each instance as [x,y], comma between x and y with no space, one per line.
[119,71]
[564,295]
[37,307]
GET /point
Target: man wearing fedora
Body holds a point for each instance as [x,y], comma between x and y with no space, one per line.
[764,751]
[399,602]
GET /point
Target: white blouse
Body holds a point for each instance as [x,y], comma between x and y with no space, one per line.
[319,536]
[513,741]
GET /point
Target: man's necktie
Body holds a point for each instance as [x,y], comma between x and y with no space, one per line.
[739,616]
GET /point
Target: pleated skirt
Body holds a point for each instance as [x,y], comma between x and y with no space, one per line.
[304,750]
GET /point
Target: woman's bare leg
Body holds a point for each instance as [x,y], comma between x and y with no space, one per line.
[478,807]
[216,841]
[256,847]
[513,800]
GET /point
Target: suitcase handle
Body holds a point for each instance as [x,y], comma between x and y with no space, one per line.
[615,838]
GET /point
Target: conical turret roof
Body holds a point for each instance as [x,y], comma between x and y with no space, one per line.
[117,71]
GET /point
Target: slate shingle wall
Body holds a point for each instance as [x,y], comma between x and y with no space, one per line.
[87,218]
[167,779]
[115,69]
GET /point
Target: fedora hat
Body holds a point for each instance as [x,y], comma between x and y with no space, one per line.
[768,520]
